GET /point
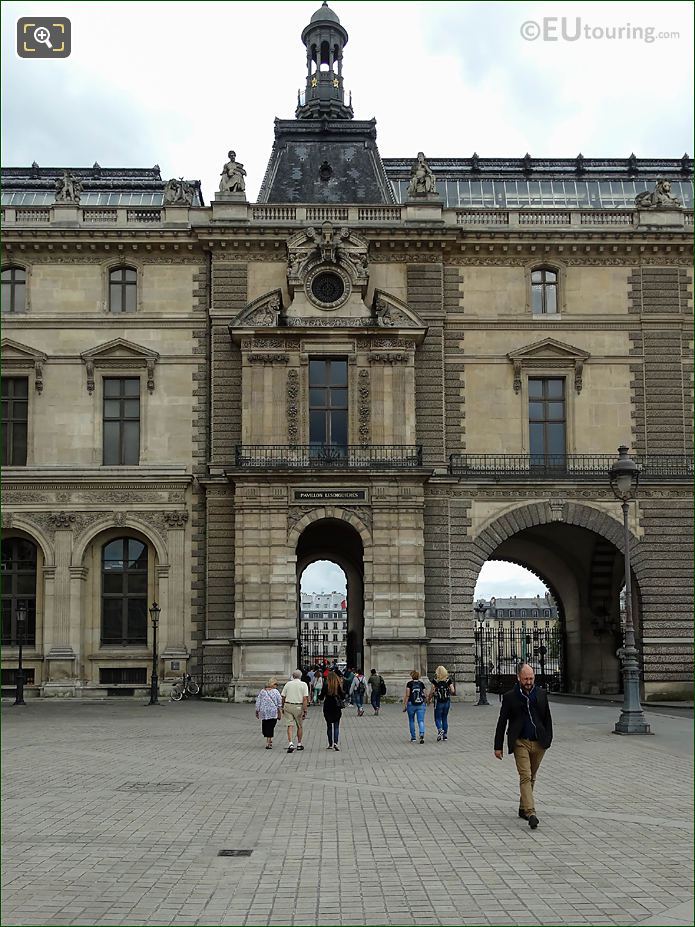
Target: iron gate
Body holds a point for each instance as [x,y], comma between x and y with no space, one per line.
[499,651]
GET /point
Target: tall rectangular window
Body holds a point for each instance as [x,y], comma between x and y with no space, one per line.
[547,421]
[15,404]
[121,421]
[328,402]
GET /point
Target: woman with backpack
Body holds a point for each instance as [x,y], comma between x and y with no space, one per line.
[442,690]
[333,709]
[415,704]
[358,690]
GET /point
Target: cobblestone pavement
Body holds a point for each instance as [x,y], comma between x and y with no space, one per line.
[114,813]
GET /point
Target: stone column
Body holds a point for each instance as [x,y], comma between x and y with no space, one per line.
[61,658]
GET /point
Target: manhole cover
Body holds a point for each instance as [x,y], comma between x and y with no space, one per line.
[234,852]
[153,786]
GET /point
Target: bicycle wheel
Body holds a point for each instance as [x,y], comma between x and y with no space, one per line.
[176,694]
[193,688]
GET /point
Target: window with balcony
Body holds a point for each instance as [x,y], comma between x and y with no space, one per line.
[121,421]
[124,592]
[14,289]
[15,408]
[123,283]
[544,283]
[547,421]
[328,403]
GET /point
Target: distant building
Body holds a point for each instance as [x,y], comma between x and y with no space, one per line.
[515,612]
[323,626]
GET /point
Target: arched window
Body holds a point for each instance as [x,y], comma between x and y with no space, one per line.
[124,592]
[14,289]
[544,291]
[123,283]
[18,588]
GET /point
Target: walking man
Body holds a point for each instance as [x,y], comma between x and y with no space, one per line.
[525,714]
[295,702]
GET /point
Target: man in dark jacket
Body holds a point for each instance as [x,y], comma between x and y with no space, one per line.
[525,714]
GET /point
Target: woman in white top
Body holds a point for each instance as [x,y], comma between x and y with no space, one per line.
[268,704]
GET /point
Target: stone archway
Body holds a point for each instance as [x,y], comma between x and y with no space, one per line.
[578,552]
[338,541]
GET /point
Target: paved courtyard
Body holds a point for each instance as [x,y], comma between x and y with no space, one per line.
[114,813]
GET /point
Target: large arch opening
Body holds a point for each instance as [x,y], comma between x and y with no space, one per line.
[323,615]
[582,566]
[331,539]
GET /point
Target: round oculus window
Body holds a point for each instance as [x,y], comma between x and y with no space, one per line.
[327,287]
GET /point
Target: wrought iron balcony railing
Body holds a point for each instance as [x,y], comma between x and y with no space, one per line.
[565,466]
[333,456]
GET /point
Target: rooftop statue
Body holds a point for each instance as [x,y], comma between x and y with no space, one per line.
[68,189]
[658,198]
[232,176]
[422,179]
[178,192]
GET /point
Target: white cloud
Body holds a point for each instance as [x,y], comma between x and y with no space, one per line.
[323,576]
[180,84]
[507,579]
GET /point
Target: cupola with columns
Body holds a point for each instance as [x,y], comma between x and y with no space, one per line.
[324,96]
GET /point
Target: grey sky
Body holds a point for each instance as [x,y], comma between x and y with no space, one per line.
[179,84]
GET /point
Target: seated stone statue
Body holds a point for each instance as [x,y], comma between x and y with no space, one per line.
[658,198]
[232,176]
[422,180]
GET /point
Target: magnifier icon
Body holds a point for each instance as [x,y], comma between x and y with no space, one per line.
[43,36]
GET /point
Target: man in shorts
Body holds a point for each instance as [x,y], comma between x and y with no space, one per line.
[295,702]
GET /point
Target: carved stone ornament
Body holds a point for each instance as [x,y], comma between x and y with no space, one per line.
[119,519]
[268,358]
[391,312]
[178,192]
[176,519]
[328,250]
[548,355]
[658,198]
[292,407]
[263,312]
[558,509]
[62,520]
[364,408]
[17,356]
[389,357]
[119,354]
[68,189]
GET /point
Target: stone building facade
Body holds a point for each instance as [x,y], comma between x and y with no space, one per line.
[407,366]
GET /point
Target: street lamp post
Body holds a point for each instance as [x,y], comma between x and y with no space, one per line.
[154,682]
[624,477]
[20,619]
[480,609]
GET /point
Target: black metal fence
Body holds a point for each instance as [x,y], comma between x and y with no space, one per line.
[315,647]
[350,456]
[566,466]
[499,651]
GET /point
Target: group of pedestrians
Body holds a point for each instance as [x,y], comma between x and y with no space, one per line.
[524,715]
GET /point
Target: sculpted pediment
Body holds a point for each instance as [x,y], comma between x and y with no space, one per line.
[391,312]
[549,354]
[262,312]
[119,354]
[17,356]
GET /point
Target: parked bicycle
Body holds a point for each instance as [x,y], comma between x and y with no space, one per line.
[184,688]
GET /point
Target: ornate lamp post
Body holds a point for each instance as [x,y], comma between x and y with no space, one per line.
[480,610]
[154,683]
[624,477]
[21,620]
